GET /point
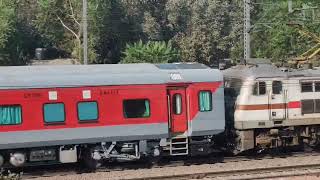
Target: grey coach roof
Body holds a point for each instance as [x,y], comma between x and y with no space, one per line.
[267,71]
[250,71]
[15,77]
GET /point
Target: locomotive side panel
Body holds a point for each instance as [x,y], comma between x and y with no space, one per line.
[250,109]
[305,101]
[274,108]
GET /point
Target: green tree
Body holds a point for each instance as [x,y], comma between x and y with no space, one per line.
[273,35]
[7,16]
[205,31]
[111,30]
[18,38]
[151,52]
[6,20]
[59,22]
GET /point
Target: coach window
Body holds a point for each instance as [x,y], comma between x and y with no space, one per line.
[317,86]
[136,108]
[54,113]
[276,87]
[177,104]
[307,106]
[10,115]
[259,88]
[87,111]
[205,101]
[306,87]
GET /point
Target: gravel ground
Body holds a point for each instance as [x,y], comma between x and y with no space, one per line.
[300,178]
[145,173]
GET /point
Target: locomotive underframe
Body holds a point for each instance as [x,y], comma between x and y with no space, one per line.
[276,137]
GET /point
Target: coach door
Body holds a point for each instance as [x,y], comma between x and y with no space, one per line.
[277,101]
[178,110]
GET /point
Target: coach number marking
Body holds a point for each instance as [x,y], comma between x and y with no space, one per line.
[109,92]
[175,76]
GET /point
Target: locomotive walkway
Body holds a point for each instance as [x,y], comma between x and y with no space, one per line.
[229,168]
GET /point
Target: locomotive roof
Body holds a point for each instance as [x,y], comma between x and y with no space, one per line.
[16,77]
[267,71]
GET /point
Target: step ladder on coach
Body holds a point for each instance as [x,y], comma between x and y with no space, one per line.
[179,145]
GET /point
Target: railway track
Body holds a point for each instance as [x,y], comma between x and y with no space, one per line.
[261,173]
[66,170]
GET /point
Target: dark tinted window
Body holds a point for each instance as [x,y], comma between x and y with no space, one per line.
[317,106]
[276,87]
[317,86]
[136,108]
[307,106]
[259,88]
[306,87]
[255,89]
[262,88]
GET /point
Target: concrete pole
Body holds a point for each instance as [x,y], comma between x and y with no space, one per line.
[246,31]
[85,31]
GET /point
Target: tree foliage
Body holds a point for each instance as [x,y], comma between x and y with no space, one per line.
[151,52]
[18,38]
[202,31]
[275,34]
[6,20]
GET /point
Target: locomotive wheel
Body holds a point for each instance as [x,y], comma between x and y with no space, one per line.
[88,161]
[308,148]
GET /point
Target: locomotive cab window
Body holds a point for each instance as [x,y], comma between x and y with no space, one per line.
[177,104]
[306,87]
[317,106]
[205,101]
[317,86]
[307,106]
[54,113]
[259,88]
[276,87]
[10,115]
[136,108]
[87,111]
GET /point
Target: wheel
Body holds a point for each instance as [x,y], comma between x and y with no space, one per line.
[308,148]
[88,161]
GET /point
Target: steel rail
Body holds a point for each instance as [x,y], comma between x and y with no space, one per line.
[69,169]
[230,173]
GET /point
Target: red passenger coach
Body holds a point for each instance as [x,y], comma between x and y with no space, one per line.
[64,114]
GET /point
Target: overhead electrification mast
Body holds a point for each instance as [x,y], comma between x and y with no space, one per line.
[85,31]
[246,31]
